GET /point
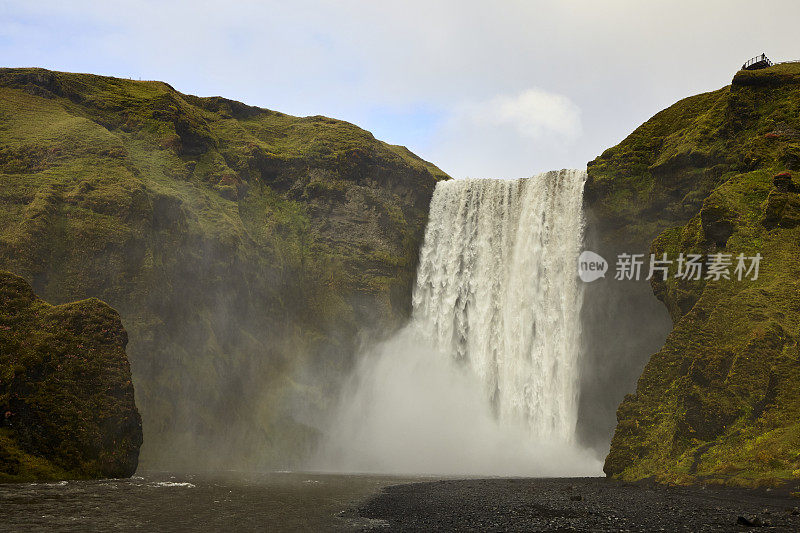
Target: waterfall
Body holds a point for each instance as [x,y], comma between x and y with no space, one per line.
[484,378]
[497,292]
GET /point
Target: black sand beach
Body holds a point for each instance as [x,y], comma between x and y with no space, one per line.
[583,504]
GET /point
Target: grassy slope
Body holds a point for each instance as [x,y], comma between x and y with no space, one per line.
[66,384]
[239,244]
[718,402]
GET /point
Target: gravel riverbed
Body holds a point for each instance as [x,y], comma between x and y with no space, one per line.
[577,504]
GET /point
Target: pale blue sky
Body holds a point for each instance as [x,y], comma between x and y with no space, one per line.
[484,89]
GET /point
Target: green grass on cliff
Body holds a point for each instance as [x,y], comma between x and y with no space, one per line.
[718,403]
[661,173]
[238,244]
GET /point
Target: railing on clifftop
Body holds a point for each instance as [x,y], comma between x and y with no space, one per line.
[757,62]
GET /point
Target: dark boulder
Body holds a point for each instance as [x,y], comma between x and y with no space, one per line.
[783,182]
[718,220]
[65,389]
[782,207]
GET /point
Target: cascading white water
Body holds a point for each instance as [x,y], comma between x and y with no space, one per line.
[484,379]
[497,291]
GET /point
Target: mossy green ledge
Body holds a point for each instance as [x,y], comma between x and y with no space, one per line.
[250,253]
[717,172]
[66,399]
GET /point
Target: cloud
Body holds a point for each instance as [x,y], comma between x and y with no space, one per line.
[533,113]
[413,71]
[512,131]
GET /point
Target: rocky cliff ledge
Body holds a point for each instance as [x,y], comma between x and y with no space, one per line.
[250,253]
[715,173]
[66,398]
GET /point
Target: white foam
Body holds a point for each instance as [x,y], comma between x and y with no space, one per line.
[484,379]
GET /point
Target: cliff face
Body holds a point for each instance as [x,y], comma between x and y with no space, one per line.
[66,398]
[248,252]
[713,174]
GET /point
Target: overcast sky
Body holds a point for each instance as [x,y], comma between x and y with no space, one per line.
[482,89]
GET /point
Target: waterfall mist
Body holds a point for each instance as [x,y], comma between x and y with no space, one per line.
[484,379]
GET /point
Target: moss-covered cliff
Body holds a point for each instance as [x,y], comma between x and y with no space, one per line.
[66,398]
[719,401]
[248,252]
